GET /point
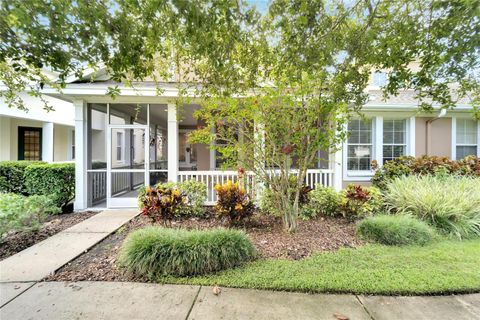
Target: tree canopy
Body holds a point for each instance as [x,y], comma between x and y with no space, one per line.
[232,48]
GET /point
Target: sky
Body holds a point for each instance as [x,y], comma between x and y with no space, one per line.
[261,5]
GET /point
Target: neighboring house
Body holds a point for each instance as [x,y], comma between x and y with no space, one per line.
[136,139]
[37,134]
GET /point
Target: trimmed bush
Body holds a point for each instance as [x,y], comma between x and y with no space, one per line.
[426,165]
[23,214]
[12,176]
[450,203]
[56,180]
[155,251]
[396,230]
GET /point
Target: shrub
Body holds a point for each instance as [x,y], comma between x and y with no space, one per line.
[233,202]
[154,251]
[162,203]
[360,202]
[56,180]
[12,176]
[450,203]
[195,193]
[395,230]
[327,201]
[24,214]
[404,166]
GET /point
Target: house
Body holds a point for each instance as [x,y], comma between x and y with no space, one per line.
[137,139]
[37,134]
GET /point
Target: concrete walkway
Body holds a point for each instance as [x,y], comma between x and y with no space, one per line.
[116,300]
[40,260]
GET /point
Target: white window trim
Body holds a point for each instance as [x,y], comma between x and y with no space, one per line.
[454,136]
[359,175]
[377,145]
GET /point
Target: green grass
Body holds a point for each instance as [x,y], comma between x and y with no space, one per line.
[439,268]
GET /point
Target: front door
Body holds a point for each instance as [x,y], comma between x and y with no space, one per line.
[127,159]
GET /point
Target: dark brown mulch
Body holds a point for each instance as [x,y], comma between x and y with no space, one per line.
[266,233]
[16,242]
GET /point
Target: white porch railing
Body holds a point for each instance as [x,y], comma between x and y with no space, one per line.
[123,181]
[313,178]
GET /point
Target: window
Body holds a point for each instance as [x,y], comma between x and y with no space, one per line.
[379,79]
[359,148]
[29,143]
[119,146]
[467,138]
[394,139]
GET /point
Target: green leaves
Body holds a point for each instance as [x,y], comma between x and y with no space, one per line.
[232,49]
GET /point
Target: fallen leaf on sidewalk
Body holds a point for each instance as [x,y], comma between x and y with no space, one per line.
[340,316]
[216,290]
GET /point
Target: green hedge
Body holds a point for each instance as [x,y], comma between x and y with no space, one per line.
[12,176]
[56,180]
[155,251]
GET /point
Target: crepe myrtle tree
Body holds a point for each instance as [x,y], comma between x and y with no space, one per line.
[279,129]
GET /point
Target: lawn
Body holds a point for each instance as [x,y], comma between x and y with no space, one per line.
[439,268]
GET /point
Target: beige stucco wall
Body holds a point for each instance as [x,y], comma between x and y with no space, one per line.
[362,183]
[439,140]
[61,136]
[5,140]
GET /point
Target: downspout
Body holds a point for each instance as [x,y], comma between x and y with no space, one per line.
[441,114]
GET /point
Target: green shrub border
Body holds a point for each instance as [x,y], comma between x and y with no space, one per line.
[56,180]
[12,176]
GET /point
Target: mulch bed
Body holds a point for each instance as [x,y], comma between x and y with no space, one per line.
[266,233]
[16,242]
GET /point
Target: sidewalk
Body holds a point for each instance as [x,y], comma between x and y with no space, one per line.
[115,300]
[42,259]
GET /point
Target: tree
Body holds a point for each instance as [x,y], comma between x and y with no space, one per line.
[301,66]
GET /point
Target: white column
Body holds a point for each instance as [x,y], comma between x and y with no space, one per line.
[47,142]
[80,155]
[5,142]
[172,143]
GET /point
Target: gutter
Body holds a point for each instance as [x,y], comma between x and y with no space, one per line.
[441,114]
